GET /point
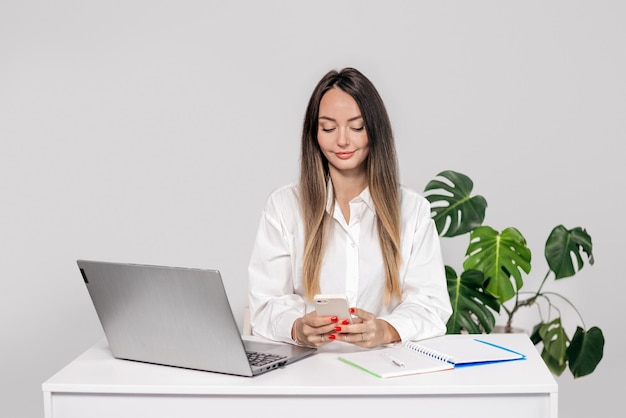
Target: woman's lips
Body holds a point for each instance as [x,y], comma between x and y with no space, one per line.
[344,155]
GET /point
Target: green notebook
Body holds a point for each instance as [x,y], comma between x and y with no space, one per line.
[430,355]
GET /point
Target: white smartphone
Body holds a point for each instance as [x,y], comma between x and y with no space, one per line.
[332,305]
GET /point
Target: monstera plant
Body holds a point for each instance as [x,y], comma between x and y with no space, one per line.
[492,280]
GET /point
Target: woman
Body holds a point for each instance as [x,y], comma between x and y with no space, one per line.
[347,227]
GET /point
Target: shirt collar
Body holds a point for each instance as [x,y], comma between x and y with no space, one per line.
[364,197]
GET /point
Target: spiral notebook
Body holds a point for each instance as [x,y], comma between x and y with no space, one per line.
[431,355]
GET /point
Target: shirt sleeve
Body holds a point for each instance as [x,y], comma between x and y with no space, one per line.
[425,307]
[273,302]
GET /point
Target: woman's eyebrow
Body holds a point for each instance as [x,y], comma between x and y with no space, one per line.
[333,120]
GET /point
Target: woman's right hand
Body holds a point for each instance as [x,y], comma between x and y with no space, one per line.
[315,331]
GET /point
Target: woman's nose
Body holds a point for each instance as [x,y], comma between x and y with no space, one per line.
[343,138]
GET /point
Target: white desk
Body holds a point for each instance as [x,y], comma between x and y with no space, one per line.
[97,385]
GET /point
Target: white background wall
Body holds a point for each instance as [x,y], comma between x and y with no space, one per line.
[152,132]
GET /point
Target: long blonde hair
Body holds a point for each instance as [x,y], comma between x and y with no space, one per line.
[383,180]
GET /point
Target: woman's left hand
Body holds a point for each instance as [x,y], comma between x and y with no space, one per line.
[368,331]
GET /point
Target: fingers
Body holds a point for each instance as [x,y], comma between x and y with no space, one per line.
[354,338]
[364,332]
[318,340]
[362,314]
[316,331]
[312,320]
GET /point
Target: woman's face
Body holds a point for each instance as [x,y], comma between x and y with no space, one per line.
[341,133]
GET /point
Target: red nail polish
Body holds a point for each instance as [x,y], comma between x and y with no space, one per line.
[351,310]
[334,319]
[337,329]
[345,322]
[332,336]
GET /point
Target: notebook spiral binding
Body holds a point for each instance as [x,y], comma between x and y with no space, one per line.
[428,352]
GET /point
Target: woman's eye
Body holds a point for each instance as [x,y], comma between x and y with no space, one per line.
[327,129]
[358,129]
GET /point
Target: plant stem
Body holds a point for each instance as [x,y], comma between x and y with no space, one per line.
[518,304]
[531,301]
[570,304]
[543,282]
[526,302]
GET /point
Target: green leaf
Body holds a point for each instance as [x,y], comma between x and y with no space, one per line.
[555,342]
[470,304]
[535,337]
[451,203]
[499,256]
[585,351]
[561,245]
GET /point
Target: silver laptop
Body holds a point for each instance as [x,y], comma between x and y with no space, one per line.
[176,317]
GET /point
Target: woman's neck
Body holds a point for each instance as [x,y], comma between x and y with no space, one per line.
[347,188]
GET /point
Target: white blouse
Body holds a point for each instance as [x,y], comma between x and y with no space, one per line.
[352,265]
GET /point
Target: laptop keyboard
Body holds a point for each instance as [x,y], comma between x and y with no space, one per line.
[261,359]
